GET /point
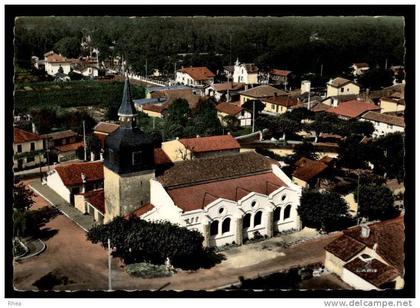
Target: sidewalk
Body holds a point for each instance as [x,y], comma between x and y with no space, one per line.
[85,222]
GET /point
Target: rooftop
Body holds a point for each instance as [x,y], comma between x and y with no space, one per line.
[70,147]
[106,127]
[223,87]
[339,82]
[71,174]
[280,72]
[384,118]
[210,144]
[97,199]
[198,73]
[60,135]
[307,169]
[21,136]
[229,108]
[282,100]
[353,108]
[263,91]
[205,170]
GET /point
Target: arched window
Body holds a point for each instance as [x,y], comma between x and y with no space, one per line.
[226,225]
[247,221]
[276,214]
[287,211]
[257,218]
[214,227]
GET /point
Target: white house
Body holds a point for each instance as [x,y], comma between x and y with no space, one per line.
[53,63]
[359,68]
[251,196]
[245,73]
[369,257]
[72,179]
[384,124]
[227,91]
[342,86]
[194,76]
[243,116]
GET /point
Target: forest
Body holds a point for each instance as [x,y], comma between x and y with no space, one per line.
[300,44]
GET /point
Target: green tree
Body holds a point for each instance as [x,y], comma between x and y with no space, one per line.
[22,201]
[376,202]
[376,79]
[205,121]
[364,128]
[352,153]
[231,121]
[326,211]
[22,197]
[278,126]
[136,240]
[68,46]
[178,112]
[93,145]
[305,149]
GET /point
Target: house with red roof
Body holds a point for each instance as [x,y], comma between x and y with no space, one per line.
[75,178]
[233,109]
[369,256]
[278,76]
[28,149]
[200,147]
[195,76]
[353,109]
[246,73]
[342,86]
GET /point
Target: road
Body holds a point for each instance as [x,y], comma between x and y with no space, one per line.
[71,258]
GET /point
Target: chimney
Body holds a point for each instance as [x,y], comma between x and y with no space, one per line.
[275,94]
[83,176]
[33,128]
[375,247]
[364,231]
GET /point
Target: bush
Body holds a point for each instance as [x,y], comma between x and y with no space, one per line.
[376,202]
[147,270]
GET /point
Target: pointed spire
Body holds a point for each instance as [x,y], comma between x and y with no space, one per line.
[127,112]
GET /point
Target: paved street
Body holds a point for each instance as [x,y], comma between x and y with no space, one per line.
[83,265]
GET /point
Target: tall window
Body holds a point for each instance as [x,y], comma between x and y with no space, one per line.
[247,221]
[257,218]
[136,158]
[287,211]
[342,90]
[226,225]
[276,214]
[214,227]
[19,148]
[32,146]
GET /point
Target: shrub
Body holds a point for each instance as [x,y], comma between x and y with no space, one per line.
[147,270]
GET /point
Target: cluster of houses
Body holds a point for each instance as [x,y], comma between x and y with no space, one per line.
[211,184]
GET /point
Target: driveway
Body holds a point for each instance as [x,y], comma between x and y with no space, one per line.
[73,263]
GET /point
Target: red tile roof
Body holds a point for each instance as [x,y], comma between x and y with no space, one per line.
[71,174]
[229,108]
[106,128]
[223,87]
[373,271]
[21,136]
[263,91]
[161,157]
[155,108]
[353,108]
[56,58]
[279,72]
[60,135]
[339,82]
[70,147]
[307,169]
[198,196]
[141,210]
[97,199]
[210,144]
[198,73]
[361,65]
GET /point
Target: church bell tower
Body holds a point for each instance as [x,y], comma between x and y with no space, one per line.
[128,163]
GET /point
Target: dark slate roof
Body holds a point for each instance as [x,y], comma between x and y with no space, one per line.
[206,170]
[127,105]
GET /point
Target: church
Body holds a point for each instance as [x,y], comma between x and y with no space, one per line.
[228,198]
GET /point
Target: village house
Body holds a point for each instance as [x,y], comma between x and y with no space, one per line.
[369,256]
[341,86]
[246,73]
[87,70]
[334,101]
[359,69]
[308,172]
[233,109]
[279,77]
[72,179]
[353,109]
[28,149]
[279,104]
[56,62]
[91,203]
[194,76]
[159,100]
[200,147]
[228,199]
[260,92]
[394,104]
[384,124]
[63,144]
[225,92]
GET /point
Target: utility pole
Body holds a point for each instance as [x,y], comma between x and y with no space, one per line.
[358,188]
[230,48]
[109,266]
[154,122]
[84,140]
[146,69]
[253,115]
[386,63]
[322,68]
[309,98]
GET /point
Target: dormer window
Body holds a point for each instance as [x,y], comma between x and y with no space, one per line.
[136,158]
